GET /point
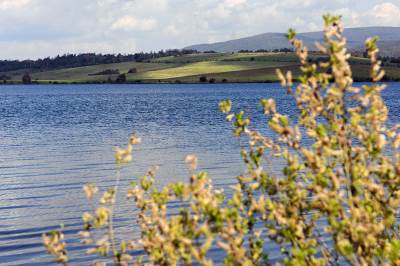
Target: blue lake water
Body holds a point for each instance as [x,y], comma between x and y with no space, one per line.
[55,139]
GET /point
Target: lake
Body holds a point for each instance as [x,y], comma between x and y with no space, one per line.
[54,139]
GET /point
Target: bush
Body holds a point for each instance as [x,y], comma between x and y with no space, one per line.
[203,79]
[335,202]
[132,70]
[26,79]
[121,78]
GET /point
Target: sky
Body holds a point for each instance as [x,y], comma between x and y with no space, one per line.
[40,28]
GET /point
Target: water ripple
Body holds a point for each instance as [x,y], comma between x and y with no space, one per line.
[54,139]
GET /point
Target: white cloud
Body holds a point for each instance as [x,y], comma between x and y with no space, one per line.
[295,3]
[220,12]
[172,30]
[43,49]
[37,28]
[387,13]
[13,4]
[102,3]
[225,9]
[132,23]
[312,27]
[351,18]
[261,16]
[234,3]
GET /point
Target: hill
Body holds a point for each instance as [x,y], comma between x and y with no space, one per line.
[86,59]
[389,40]
[191,68]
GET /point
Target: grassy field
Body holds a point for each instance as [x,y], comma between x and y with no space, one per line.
[266,74]
[219,67]
[83,73]
[202,68]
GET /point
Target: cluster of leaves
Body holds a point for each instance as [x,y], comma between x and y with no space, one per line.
[335,202]
[55,245]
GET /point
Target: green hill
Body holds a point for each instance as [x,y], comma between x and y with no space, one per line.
[192,68]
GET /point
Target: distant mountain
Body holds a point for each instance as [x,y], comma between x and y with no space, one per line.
[389,41]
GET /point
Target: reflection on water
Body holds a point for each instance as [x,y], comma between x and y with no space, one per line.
[54,139]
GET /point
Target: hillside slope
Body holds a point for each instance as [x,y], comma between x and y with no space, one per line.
[389,38]
[194,68]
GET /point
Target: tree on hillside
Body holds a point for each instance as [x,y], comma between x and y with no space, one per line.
[132,70]
[121,78]
[203,79]
[26,79]
[86,59]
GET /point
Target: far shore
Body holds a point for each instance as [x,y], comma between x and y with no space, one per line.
[217,68]
[161,83]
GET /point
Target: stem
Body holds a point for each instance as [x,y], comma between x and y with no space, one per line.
[110,224]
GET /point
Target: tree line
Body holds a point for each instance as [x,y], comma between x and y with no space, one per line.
[85,59]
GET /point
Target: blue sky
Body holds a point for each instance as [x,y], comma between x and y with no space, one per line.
[40,28]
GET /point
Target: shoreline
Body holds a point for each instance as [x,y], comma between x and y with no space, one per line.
[165,82]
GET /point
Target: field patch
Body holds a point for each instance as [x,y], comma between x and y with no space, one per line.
[201,68]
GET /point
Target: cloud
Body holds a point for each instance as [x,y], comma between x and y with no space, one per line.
[225,9]
[102,3]
[234,3]
[43,48]
[38,28]
[220,12]
[172,29]
[132,23]
[387,13]
[13,4]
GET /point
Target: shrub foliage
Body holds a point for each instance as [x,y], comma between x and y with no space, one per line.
[335,202]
